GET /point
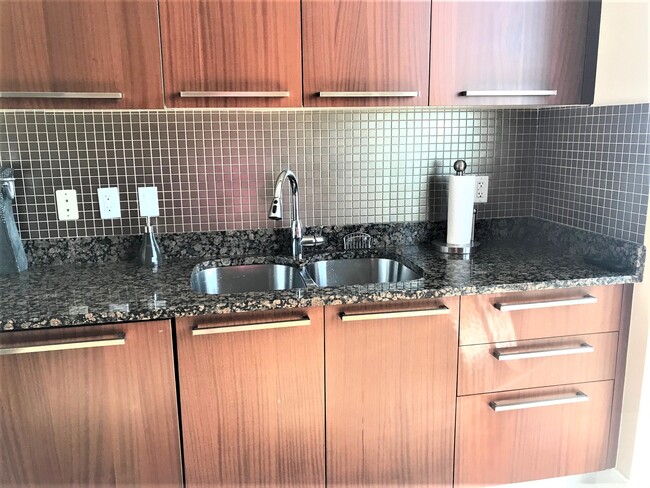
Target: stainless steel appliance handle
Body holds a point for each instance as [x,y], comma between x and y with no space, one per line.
[118,340]
[510,354]
[77,95]
[234,94]
[442,310]
[511,307]
[577,397]
[508,93]
[205,330]
[369,94]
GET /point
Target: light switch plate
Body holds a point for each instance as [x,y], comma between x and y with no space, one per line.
[109,203]
[148,201]
[66,205]
[481,195]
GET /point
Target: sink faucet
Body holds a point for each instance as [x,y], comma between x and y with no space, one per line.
[275,213]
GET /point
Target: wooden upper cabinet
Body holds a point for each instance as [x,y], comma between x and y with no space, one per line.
[89,406]
[105,54]
[358,49]
[234,53]
[518,46]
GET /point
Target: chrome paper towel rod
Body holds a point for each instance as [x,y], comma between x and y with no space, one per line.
[461,215]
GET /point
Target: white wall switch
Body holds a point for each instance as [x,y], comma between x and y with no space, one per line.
[481,195]
[66,204]
[148,201]
[109,203]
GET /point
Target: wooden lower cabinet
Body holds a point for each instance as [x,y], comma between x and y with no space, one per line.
[89,406]
[391,391]
[532,438]
[252,400]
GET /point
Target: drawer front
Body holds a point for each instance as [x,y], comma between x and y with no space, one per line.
[563,431]
[534,315]
[503,366]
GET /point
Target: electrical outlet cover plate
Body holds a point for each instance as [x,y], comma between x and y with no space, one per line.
[109,203]
[66,204]
[148,201]
[481,194]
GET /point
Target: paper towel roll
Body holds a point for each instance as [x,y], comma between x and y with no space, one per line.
[460,212]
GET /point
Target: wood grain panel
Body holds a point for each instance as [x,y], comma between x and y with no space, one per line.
[390,396]
[482,323]
[480,372]
[81,46]
[365,45]
[533,45]
[104,416]
[252,401]
[534,443]
[231,45]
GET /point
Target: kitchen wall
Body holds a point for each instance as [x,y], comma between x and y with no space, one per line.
[215,169]
[584,167]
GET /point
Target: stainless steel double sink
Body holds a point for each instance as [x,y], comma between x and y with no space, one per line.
[269,277]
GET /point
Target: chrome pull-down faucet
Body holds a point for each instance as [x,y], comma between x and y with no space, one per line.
[275,213]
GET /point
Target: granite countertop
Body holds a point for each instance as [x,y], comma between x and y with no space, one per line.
[84,294]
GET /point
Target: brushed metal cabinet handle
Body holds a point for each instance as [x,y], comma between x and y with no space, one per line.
[77,95]
[442,310]
[370,94]
[505,355]
[234,94]
[198,331]
[508,93]
[577,397]
[511,307]
[118,340]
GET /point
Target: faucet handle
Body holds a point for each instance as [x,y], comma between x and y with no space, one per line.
[311,241]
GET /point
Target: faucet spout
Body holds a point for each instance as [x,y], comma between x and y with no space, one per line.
[275,213]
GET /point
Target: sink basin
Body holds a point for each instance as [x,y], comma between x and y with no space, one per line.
[246,278]
[360,271]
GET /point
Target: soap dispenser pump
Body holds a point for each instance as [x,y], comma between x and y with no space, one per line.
[150,254]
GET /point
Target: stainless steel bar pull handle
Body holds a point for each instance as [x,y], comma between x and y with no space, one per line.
[118,340]
[511,307]
[205,330]
[369,94]
[442,310]
[508,93]
[234,94]
[577,397]
[77,95]
[511,355]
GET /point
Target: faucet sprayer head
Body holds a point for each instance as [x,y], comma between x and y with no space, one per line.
[275,210]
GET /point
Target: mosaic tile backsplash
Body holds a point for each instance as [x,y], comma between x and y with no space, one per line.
[215,169]
[585,167]
[592,169]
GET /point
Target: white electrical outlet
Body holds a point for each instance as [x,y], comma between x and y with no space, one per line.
[66,204]
[148,201]
[109,203]
[481,194]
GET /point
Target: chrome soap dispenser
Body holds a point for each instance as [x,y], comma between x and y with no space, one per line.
[12,253]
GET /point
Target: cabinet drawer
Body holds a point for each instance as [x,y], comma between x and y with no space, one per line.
[533,315]
[527,364]
[532,434]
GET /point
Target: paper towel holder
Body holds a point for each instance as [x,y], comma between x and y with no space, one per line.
[444,247]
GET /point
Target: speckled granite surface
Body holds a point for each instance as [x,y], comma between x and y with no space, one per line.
[74,294]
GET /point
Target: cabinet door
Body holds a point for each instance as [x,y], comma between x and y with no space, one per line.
[251,389]
[101,54]
[89,406]
[519,46]
[391,391]
[365,52]
[231,53]
[532,434]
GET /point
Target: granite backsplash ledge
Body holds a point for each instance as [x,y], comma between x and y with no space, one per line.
[604,251]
